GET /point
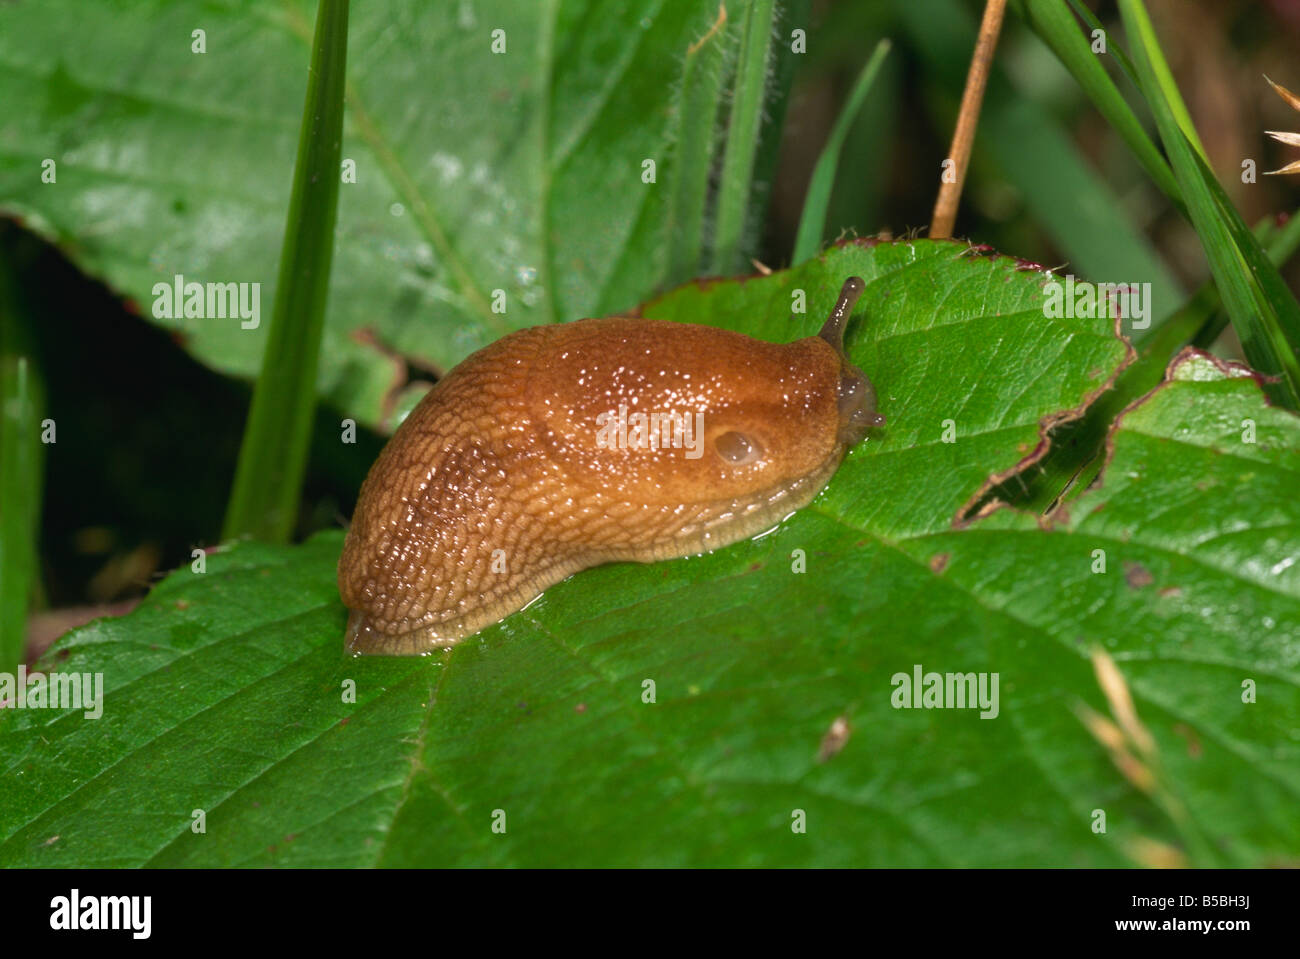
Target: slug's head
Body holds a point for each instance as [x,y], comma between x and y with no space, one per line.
[855,396]
[729,419]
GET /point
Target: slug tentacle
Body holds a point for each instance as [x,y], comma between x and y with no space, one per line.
[857,397]
[833,330]
[562,447]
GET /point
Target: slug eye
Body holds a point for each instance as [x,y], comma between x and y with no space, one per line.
[736,448]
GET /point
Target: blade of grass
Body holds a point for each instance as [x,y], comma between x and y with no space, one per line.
[1264,312]
[742,135]
[1052,21]
[1282,244]
[1154,74]
[858,202]
[812,220]
[21,460]
[1117,51]
[697,117]
[273,456]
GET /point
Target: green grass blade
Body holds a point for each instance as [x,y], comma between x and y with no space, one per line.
[742,135]
[1052,21]
[273,457]
[1117,51]
[1126,64]
[1281,244]
[812,220]
[1154,74]
[697,117]
[1264,312]
[21,460]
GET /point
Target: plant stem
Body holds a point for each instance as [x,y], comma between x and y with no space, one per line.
[945,207]
[742,135]
[697,117]
[273,456]
[21,459]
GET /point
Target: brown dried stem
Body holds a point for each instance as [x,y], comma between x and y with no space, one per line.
[945,207]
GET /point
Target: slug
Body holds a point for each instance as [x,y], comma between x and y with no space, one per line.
[562,447]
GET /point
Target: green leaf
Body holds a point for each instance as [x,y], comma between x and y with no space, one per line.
[812,219]
[1078,447]
[1200,602]
[273,456]
[1197,503]
[224,692]
[475,171]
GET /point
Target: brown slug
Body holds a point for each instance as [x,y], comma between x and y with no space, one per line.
[561,447]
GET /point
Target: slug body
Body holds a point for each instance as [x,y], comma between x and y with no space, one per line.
[527,463]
